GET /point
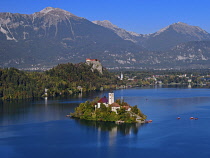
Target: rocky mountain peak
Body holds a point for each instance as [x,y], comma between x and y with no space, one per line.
[183,28]
[126,35]
[180,23]
[187,29]
[53,16]
[106,23]
[56,12]
[46,10]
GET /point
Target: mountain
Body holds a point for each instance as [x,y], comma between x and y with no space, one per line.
[53,36]
[175,34]
[164,38]
[126,35]
[196,53]
[189,55]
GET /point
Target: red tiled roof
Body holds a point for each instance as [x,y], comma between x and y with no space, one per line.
[115,105]
[126,107]
[92,59]
[103,100]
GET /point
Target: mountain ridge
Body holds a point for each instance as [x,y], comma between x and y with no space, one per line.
[126,35]
[180,31]
[53,36]
[47,37]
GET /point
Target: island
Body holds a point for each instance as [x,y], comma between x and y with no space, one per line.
[103,109]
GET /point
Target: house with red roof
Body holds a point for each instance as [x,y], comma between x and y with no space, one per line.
[127,108]
[115,107]
[104,101]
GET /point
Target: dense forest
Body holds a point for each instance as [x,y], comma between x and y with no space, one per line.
[64,79]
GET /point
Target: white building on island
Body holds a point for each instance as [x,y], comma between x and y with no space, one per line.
[111,98]
[110,102]
[104,101]
[115,107]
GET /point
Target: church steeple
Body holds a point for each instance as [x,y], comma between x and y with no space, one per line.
[111,97]
[121,76]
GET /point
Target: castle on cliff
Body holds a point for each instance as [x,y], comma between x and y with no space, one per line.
[96,65]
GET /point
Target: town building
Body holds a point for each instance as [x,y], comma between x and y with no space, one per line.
[115,107]
[127,108]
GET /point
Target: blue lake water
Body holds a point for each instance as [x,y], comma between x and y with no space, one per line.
[39,129]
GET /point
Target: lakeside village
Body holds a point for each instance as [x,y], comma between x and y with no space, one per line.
[135,78]
[103,109]
[72,79]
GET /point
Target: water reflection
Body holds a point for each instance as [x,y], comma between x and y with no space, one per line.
[113,128]
[45,102]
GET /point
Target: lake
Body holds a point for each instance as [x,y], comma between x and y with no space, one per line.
[39,129]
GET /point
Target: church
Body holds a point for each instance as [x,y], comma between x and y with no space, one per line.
[110,102]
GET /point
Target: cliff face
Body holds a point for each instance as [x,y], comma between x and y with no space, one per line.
[96,65]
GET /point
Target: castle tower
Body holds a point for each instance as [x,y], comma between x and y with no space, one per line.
[111,98]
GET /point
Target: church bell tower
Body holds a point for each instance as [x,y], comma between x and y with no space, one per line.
[111,98]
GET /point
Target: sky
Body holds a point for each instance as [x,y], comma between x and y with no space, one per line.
[140,16]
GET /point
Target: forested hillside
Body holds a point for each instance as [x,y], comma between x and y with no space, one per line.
[63,79]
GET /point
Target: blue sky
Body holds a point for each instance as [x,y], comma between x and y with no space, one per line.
[141,16]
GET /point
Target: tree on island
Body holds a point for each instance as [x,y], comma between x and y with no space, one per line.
[88,111]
